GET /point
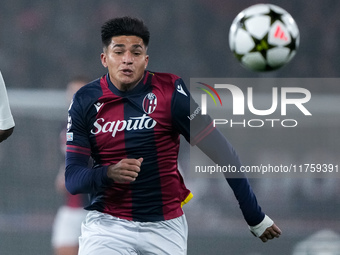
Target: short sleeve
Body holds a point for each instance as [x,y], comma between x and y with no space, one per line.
[6,118]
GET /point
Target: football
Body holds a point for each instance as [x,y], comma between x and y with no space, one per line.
[264,37]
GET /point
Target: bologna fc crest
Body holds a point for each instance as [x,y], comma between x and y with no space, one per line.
[149,103]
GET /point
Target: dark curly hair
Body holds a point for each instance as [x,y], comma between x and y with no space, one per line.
[124,26]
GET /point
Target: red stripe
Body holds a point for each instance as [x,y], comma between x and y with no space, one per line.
[78,149]
[200,136]
[171,182]
[105,86]
[145,77]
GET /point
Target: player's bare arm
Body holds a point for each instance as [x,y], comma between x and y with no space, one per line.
[125,170]
[4,134]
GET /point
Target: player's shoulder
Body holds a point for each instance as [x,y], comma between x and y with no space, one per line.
[90,92]
[90,89]
[166,82]
[87,95]
[165,78]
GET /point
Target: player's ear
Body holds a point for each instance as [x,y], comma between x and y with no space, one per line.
[103,59]
[146,60]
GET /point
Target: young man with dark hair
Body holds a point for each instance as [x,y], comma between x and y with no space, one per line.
[129,121]
[6,119]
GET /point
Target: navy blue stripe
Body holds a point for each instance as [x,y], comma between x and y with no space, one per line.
[147,202]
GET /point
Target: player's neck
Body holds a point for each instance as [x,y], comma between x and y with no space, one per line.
[124,87]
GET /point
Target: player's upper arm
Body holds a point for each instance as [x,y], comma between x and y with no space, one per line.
[77,130]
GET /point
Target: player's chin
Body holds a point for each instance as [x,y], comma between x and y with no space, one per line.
[130,80]
[126,80]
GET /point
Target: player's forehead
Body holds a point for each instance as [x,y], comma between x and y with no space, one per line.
[127,41]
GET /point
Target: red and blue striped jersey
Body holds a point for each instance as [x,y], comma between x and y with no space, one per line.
[109,125]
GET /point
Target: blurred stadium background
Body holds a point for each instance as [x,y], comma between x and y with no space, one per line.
[43,44]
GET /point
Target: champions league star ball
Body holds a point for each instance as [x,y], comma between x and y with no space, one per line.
[264,37]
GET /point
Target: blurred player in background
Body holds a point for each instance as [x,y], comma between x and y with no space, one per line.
[66,227]
[6,119]
[129,121]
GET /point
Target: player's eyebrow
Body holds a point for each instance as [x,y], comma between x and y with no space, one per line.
[137,46]
[118,45]
[121,45]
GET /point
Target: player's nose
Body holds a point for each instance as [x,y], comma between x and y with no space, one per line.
[127,58]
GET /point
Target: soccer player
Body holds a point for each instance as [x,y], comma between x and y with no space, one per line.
[129,121]
[67,223]
[6,119]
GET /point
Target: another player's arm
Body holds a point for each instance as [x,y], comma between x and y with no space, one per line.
[4,134]
[6,118]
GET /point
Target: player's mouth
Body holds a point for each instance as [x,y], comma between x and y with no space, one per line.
[126,71]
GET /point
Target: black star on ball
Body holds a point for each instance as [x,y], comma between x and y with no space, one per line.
[262,46]
[274,16]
